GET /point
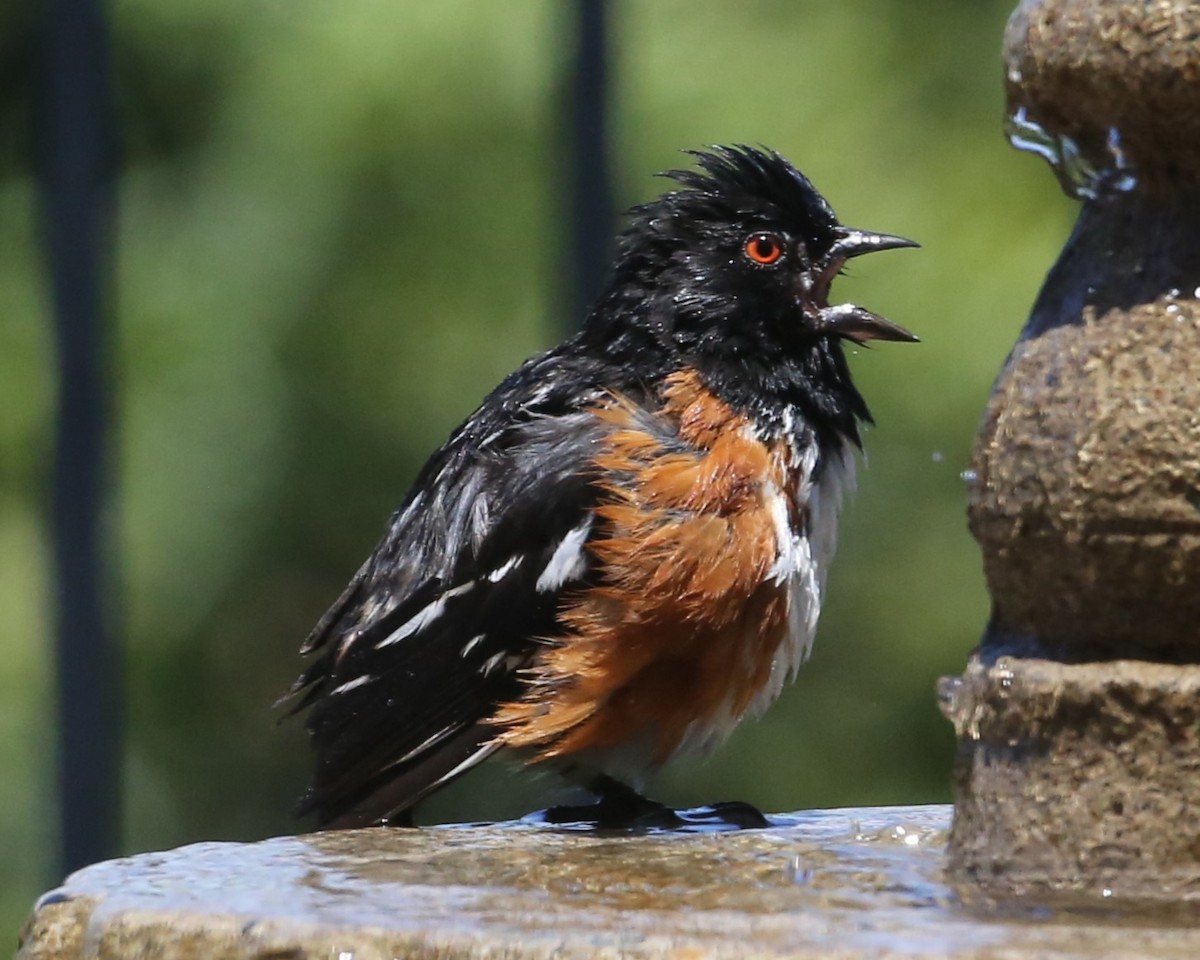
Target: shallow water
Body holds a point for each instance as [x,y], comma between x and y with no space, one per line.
[848,882]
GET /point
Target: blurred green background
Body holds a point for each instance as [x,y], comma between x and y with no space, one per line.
[342,223]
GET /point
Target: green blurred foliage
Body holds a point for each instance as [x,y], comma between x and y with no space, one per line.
[341,224]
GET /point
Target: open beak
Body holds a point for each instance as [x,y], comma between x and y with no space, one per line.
[845,319]
[854,243]
[860,324]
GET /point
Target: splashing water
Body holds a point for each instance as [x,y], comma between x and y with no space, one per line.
[1081,176]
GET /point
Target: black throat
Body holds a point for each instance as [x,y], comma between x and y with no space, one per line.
[807,390]
[803,387]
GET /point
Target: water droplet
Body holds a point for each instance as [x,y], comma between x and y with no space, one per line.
[910,838]
[798,873]
[1106,893]
[969,476]
[937,456]
[947,691]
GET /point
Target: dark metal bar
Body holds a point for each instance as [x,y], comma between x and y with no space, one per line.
[589,181]
[76,159]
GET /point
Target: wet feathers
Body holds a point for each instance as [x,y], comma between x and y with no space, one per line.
[622,552]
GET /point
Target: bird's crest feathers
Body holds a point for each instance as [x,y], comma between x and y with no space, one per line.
[748,180]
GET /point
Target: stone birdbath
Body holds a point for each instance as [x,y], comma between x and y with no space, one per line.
[1076,832]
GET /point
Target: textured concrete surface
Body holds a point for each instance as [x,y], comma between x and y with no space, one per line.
[1077,779]
[828,884]
[1077,764]
[1113,76]
[1087,494]
[1086,501]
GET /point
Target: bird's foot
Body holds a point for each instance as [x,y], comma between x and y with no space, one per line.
[731,813]
[622,808]
[606,814]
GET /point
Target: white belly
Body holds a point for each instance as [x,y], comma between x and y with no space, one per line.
[804,562]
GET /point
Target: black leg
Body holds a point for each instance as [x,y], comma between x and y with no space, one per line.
[620,807]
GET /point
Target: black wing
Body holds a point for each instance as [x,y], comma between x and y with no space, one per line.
[427,638]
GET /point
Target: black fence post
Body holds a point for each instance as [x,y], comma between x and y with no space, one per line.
[589,179]
[75,143]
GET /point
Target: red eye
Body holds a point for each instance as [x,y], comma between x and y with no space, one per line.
[764,248]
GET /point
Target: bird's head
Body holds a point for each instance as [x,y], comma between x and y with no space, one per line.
[740,260]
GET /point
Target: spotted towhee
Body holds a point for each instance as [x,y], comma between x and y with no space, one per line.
[622,552]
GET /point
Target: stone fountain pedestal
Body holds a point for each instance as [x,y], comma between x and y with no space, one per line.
[1079,736]
[833,885]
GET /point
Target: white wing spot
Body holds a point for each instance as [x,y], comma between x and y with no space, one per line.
[491,663]
[425,616]
[351,684]
[509,661]
[568,560]
[505,569]
[424,745]
[473,643]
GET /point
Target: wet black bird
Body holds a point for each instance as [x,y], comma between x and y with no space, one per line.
[622,552]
